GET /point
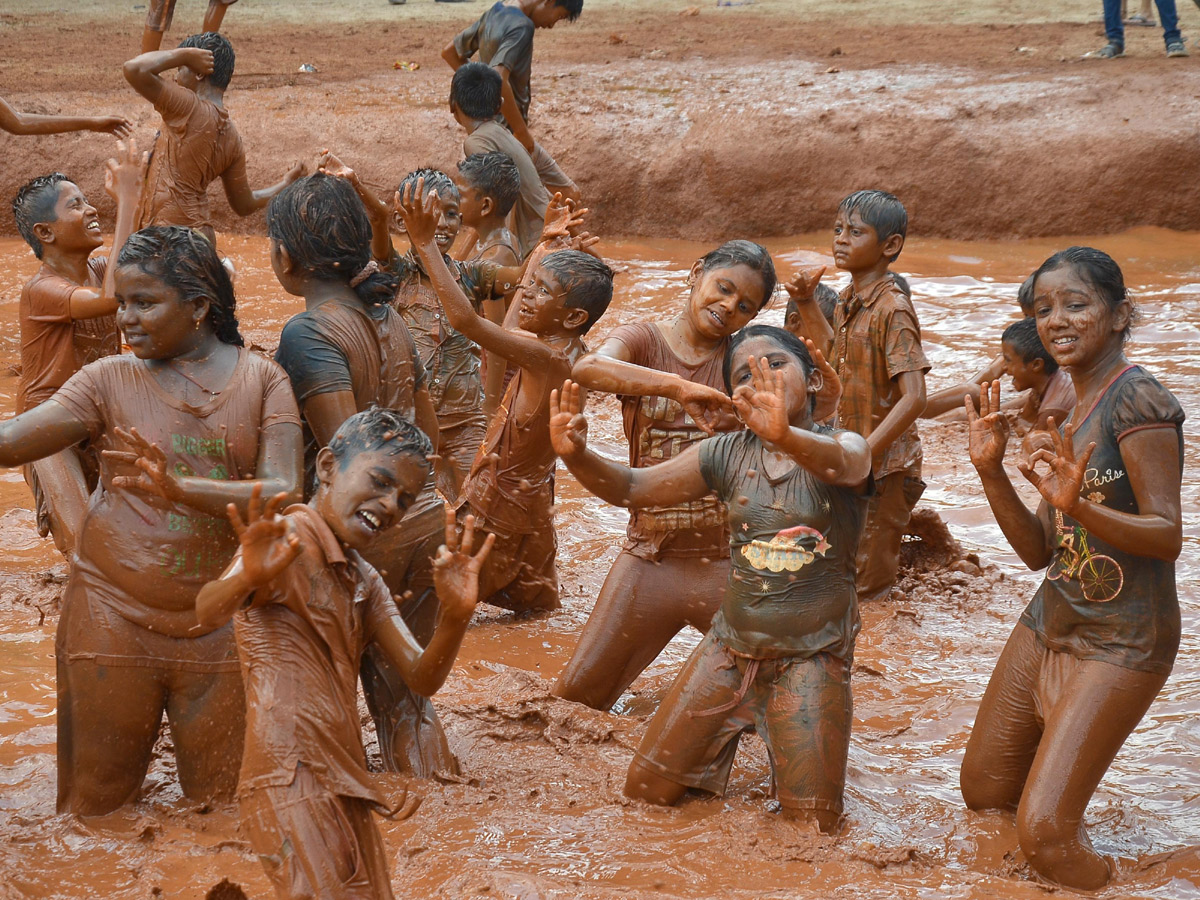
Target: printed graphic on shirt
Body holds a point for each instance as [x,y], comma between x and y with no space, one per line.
[660,444]
[1100,577]
[785,551]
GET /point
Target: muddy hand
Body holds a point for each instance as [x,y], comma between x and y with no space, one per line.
[269,545]
[830,393]
[803,286]
[1061,485]
[331,165]
[197,59]
[708,407]
[155,476]
[568,425]
[762,404]
[117,126]
[419,211]
[299,170]
[456,570]
[988,429]
[123,173]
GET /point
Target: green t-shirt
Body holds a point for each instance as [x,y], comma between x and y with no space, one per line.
[792,546]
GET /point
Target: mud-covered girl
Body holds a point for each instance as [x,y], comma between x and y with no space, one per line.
[777,657]
[188,423]
[1099,638]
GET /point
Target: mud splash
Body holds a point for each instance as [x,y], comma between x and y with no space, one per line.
[539,811]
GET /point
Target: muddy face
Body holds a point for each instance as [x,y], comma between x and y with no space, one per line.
[798,385]
[367,493]
[723,300]
[542,306]
[1024,374]
[856,245]
[157,322]
[76,226]
[1074,322]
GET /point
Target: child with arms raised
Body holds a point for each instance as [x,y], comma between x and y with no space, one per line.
[305,604]
[778,655]
[511,486]
[67,320]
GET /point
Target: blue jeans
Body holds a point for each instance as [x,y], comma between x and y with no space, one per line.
[1114,30]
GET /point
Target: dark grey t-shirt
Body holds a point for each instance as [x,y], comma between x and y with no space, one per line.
[503,36]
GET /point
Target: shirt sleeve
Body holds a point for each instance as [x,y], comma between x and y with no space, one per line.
[466,42]
[50,300]
[313,363]
[636,340]
[1144,403]
[380,609]
[175,104]
[83,397]
[714,459]
[515,45]
[902,344]
[279,400]
[551,174]
[478,278]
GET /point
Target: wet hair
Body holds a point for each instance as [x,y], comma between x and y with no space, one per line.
[34,204]
[573,8]
[588,282]
[185,260]
[435,180]
[222,52]
[1025,296]
[786,341]
[1023,338]
[475,89]
[743,253]
[378,428]
[323,225]
[879,209]
[494,175]
[826,298]
[1100,271]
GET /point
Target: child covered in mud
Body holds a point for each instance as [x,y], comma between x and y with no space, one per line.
[158,20]
[510,490]
[16,122]
[199,142]
[67,320]
[1099,638]
[475,93]
[1032,368]
[188,423]
[305,604]
[346,352]
[489,185]
[875,345]
[778,655]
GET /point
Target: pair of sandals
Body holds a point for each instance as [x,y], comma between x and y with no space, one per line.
[1139,19]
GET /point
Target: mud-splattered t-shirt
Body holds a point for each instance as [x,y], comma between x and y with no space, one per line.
[658,429]
[53,345]
[791,547]
[502,36]
[300,641]
[144,556]
[1098,602]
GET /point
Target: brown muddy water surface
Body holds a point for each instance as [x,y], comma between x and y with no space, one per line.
[539,813]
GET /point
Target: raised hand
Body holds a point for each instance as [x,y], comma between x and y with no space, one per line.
[708,407]
[154,476]
[197,59]
[803,286]
[988,429]
[123,173]
[117,126]
[269,545]
[563,220]
[298,170]
[419,210]
[331,165]
[1061,485]
[762,404]
[568,425]
[830,393]
[456,570]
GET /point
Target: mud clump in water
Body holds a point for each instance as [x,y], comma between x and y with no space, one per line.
[226,890]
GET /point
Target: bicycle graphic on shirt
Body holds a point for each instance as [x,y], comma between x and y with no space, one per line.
[1100,577]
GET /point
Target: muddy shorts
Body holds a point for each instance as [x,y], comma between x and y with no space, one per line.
[520,572]
[801,707]
[458,446]
[315,844]
[888,512]
[162,11]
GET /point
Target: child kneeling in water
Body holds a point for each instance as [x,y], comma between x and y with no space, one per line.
[306,605]
[777,657]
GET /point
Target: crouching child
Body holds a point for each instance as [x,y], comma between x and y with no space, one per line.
[304,605]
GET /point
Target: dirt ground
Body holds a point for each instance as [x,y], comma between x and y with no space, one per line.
[688,121]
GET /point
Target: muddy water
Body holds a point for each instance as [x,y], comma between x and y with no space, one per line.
[541,813]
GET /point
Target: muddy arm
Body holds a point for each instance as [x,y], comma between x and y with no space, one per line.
[15,122]
[42,431]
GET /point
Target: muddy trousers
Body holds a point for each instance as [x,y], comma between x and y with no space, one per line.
[1048,728]
[642,606]
[411,739]
[888,512]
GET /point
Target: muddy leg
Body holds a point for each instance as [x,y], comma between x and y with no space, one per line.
[887,516]
[1005,737]
[108,718]
[215,14]
[1098,708]
[641,606]
[61,490]
[158,20]
[207,714]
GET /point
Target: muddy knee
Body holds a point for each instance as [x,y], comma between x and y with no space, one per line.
[643,784]
[1060,850]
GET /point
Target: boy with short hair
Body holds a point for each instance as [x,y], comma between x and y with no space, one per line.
[489,185]
[1033,369]
[503,38]
[305,604]
[67,320]
[510,490]
[199,142]
[475,97]
[875,346]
